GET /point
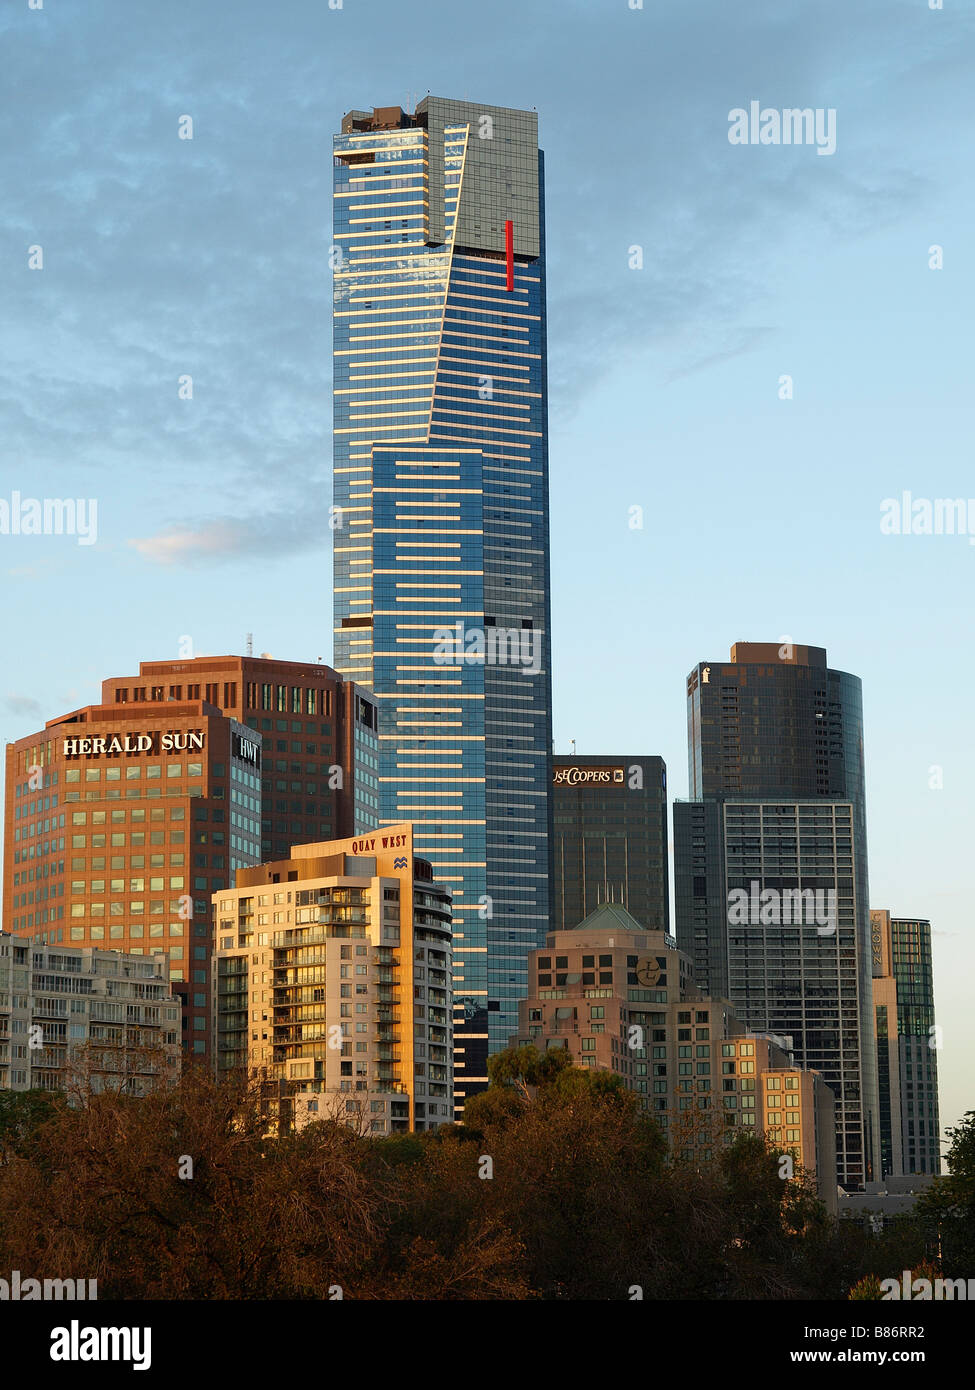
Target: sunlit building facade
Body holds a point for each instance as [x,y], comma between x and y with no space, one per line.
[441,570]
[332,985]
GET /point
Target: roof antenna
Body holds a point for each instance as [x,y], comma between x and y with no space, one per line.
[250,644]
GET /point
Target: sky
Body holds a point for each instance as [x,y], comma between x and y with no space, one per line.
[752,347]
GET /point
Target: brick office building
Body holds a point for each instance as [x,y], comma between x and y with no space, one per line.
[320,769]
[122,819]
[621,998]
[119,825]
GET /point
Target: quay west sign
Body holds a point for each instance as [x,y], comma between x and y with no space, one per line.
[176,741]
[385,841]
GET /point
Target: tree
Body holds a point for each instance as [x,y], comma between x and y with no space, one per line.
[947,1208]
[22,1113]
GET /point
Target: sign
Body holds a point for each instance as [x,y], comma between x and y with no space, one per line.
[588,776]
[368,846]
[181,741]
[246,750]
[648,971]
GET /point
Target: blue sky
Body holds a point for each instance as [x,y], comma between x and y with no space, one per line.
[165,258]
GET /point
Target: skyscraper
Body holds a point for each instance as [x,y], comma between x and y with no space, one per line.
[609,838]
[441,566]
[770,867]
[907,1055]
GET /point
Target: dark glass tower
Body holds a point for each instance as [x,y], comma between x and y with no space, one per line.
[907,1045]
[441,572]
[609,838]
[775,758]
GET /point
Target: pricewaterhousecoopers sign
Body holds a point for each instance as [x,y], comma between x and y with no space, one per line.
[587,776]
[176,741]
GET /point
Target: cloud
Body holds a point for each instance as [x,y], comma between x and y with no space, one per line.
[23,705]
[268,535]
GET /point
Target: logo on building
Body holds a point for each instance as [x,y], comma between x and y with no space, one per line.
[588,776]
[176,741]
[246,750]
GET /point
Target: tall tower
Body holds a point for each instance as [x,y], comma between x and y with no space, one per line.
[907,1051]
[440,522]
[773,839]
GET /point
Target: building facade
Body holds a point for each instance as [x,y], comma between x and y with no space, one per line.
[332,983]
[907,1045]
[609,838]
[120,823]
[86,1018]
[122,819]
[441,553]
[621,998]
[320,750]
[772,841]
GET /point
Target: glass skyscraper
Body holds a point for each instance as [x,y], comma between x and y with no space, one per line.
[777,809]
[907,1044]
[440,521]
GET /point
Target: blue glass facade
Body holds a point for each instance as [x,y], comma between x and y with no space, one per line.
[441,529]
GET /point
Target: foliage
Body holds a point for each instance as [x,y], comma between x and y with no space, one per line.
[558,1186]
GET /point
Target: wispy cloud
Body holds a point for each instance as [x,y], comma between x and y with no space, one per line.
[22,706]
[268,535]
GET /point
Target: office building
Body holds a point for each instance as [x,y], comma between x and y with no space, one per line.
[119,823]
[770,868]
[122,819]
[320,775]
[907,1045]
[775,722]
[86,1018]
[609,838]
[441,545]
[332,984]
[621,998]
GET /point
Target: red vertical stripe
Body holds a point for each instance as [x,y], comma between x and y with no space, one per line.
[509,251]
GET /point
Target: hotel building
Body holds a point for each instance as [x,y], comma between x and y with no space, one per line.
[441,555]
[622,999]
[332,984]
[109,1018]
[907,1045]
[609,838]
